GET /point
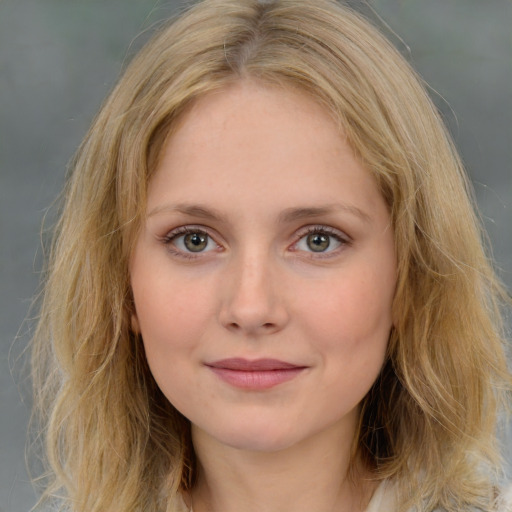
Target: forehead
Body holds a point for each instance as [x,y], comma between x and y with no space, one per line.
[257,106]
[252,140]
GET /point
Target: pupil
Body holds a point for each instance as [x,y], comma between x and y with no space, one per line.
[318,242]
[195,242]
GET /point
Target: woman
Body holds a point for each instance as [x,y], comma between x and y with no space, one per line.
[268,289]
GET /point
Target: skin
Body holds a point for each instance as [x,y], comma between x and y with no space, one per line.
[253,170]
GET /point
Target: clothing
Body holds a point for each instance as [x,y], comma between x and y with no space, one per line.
[384,499]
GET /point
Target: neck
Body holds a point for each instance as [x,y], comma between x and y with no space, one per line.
[311,476]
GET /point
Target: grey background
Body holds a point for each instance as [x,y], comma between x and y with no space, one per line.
[58,60]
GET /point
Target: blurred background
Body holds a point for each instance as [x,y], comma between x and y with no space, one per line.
[59,59]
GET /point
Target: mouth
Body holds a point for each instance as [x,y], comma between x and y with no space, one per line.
[259,374]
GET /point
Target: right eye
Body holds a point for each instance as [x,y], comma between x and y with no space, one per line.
[190,241]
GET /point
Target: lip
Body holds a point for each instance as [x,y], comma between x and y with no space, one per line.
[258,374]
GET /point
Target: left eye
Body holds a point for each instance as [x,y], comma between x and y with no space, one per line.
[319,242]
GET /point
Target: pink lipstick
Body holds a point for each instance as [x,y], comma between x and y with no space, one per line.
[255,375]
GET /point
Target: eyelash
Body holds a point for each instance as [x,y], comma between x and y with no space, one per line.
[171,237]
[339,237]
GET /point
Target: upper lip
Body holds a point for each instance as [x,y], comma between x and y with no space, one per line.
[241,364]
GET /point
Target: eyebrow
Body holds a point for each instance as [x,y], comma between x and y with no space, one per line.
[293,214]
[192,210]
[286,216]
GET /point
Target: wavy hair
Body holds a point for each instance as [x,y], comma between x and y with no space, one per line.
[113,441]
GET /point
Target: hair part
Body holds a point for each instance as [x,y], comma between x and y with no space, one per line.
[113,440]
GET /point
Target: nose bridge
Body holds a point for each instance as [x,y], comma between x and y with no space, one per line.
[253,301]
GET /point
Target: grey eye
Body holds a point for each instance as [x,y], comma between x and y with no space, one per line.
[192,241]
[195,242]
[318,242]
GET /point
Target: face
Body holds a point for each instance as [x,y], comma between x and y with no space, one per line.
[264,272]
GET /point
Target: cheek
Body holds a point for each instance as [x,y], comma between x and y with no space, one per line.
[171,316]
[169,307]
[350,326]
[359,335]
[351,310]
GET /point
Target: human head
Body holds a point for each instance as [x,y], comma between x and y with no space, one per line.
[333,55]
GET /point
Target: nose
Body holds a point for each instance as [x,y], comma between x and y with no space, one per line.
[253,297]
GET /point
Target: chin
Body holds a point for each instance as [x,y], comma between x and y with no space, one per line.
[258,438]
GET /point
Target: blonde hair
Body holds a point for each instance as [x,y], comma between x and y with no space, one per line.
[114,443]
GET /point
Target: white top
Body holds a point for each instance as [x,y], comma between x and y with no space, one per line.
[384,499]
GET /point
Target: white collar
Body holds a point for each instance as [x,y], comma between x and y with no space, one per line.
[383,498]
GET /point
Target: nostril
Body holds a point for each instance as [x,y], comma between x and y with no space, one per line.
[236,327]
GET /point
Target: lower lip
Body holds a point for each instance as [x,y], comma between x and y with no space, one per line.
[256,380]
